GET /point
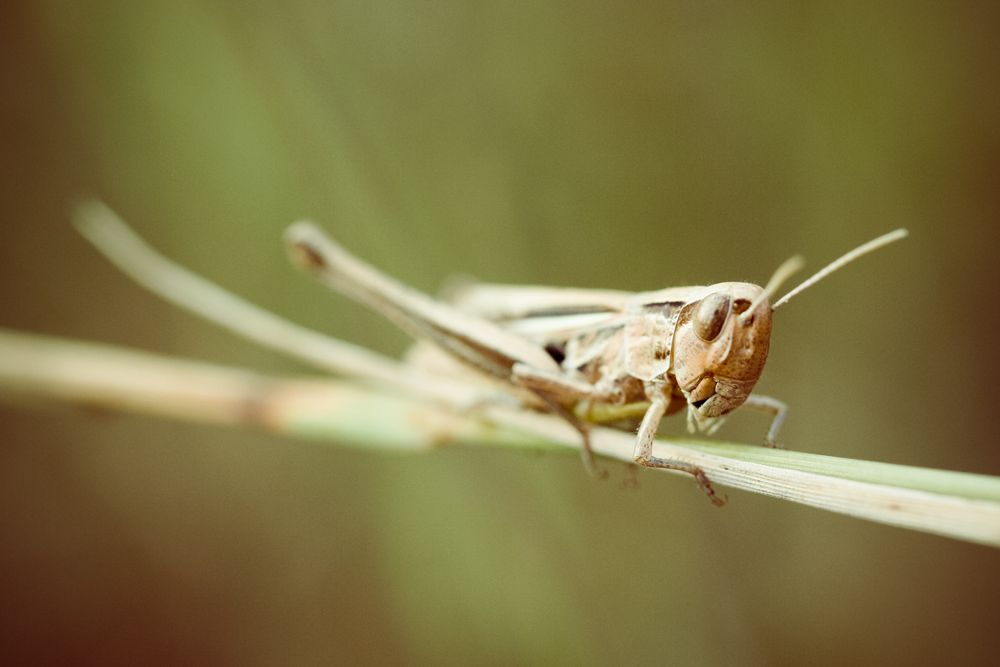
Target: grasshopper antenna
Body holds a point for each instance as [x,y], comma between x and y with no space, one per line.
[781,274]
[841,261]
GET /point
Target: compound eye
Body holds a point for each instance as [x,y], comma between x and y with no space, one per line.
[711,316]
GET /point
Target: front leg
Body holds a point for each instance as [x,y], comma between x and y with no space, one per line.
[772,406]
[644,445]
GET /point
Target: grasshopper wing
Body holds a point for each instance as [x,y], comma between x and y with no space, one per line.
[503,303]
[559,313]
[543,314]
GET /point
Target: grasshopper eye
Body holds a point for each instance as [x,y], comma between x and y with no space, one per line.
[711,316]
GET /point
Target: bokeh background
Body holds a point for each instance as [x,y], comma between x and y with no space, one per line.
[625,145]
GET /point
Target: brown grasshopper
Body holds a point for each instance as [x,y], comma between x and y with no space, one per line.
[594,356]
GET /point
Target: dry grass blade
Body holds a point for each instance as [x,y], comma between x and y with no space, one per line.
[958,505]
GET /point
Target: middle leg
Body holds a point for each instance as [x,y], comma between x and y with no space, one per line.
[558,391]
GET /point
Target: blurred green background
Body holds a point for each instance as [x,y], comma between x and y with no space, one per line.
[626,145]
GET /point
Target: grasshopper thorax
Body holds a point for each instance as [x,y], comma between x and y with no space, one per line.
[720,347]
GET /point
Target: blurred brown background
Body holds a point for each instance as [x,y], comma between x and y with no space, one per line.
[631,146]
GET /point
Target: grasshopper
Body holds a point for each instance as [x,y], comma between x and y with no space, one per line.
[594,356]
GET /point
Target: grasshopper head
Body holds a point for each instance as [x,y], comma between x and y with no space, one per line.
[720,346]
[722,338]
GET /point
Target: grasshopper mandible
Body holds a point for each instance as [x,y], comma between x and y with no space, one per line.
[594,356]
